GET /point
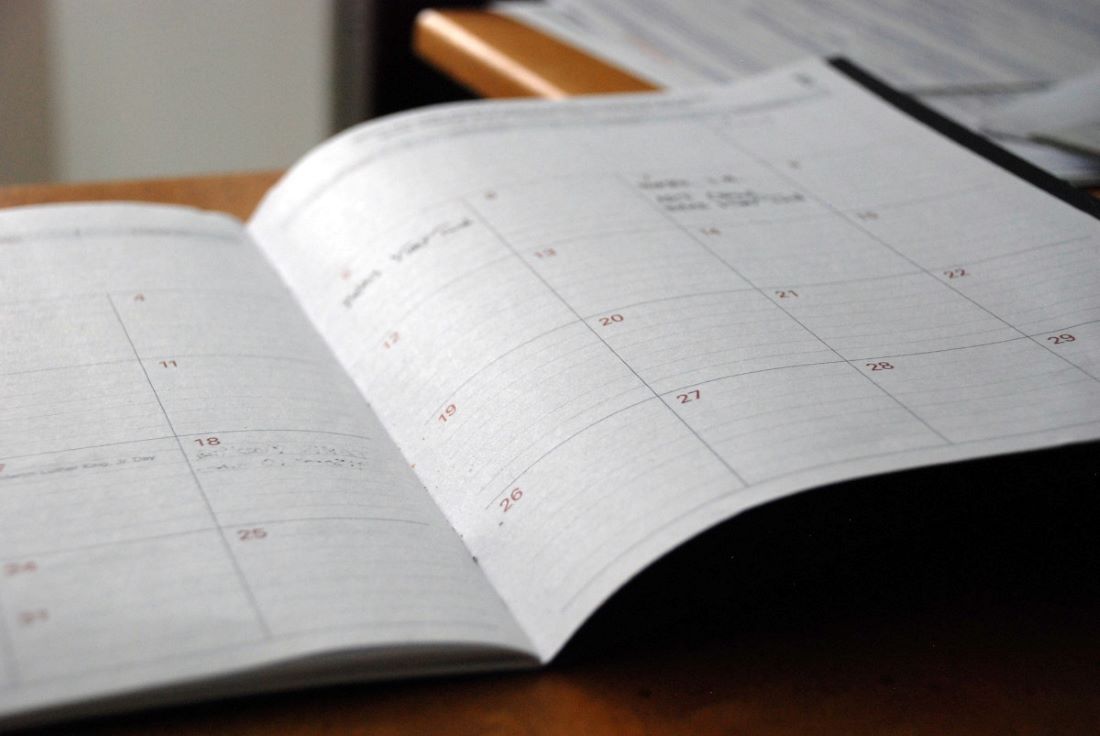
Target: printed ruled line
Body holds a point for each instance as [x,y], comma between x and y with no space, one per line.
[1001,256]
[560,444]
[496,360]
[46,553]
[678,297]
[87,447]
[74,366]
[205,433]
[137,232]
[443,287]
[167,356]
[78,296]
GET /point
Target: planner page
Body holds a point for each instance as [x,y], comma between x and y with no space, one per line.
[965,59]
[599,327]
[189,484]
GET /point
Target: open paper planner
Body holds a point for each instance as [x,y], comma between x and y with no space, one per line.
[469,369]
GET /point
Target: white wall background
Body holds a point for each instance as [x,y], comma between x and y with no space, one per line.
[102,89]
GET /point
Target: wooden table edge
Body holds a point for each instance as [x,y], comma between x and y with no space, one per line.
[236,194]
[498,56]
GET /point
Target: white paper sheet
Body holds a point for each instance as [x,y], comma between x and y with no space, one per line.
[599,327]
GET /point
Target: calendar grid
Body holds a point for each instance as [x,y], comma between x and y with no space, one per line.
[875,236]
[120,358]
[496,359]
[694,237]
[241,579]
[503,241]
[914,269]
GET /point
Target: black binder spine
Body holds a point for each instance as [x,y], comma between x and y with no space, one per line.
[969,139]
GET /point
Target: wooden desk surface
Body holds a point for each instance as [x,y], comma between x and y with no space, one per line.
[237,194]
[846,659]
